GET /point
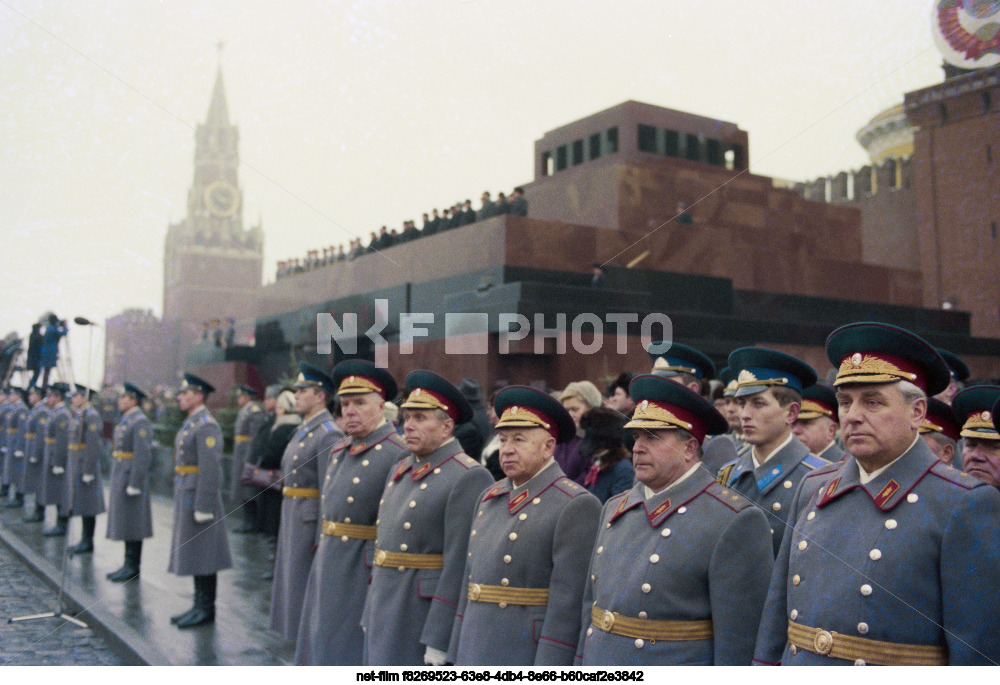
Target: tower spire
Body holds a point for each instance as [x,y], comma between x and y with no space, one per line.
[218,112]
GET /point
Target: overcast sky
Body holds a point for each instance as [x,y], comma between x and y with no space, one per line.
[354,115]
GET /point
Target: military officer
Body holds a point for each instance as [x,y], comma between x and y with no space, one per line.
[249,419]
[84,490]
[199,545]
[981,453]
[306,457]
[817,423]
[959,373]
[769,390]
[877,559]
[681,564]
[35,428]
[689,367]
[330,630]
[423,523]
[130,515]
[16,416]
[529,547]
[941,430]
[56,453]
[730,409]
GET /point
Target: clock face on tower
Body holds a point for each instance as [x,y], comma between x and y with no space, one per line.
[222,199]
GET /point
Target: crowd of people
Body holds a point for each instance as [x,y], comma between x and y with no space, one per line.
[681,516]
[459,214]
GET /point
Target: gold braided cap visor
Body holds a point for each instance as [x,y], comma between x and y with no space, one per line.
[357,385]
[980,426]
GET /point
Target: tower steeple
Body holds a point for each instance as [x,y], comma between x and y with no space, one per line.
[218,112]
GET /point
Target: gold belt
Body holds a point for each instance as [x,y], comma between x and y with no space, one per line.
[241,438]
[876,652]
[496,594]
[50,441]
[76,445]
[182,470]
[11,431]
[348,530]
[122,455]
[29,436]
[647,629]
[307,493]
[400,560]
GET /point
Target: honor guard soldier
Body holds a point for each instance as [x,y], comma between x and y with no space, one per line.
[879,551]
[249,419]
[84,490]
[730,409]
[130,516]
[16,417]
[981,453]
[941,430]
[529,547]
[35,427]
[769,388]
[681,566]
[6,470]
[199,546]
[330,632]
[304,462]
[691,368]
[423,523]
[56,454]
[817,423]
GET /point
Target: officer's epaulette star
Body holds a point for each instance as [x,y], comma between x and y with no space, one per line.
[466,461]
[566,486]
[731,498]
[953,475]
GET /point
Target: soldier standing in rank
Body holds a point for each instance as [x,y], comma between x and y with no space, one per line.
[981,454]
[16,417]
[941,430]
[876,562]
[691,368]
[56,454]
[682,564]
[199,546]
[84,491]
[730,409]
[424,520]
[130,515]
[769,390]
[330,631]
[529,547]
[35,427]
[817,423]
[5,457]
[306,457]
[249,419]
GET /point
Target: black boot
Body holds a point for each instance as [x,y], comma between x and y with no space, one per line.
[37,516]
[59,528]
[204,603]
[4,490]
[250,523]
[130,569]
[17,502]
[86,543]
[180,617]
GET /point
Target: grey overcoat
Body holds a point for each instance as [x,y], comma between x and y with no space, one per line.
[130,517]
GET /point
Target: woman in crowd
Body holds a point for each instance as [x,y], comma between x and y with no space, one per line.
[577,398]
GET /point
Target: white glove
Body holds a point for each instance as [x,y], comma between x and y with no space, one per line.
[87,478]
[19,454]
[434,657]
[203,517]
[32,461]
[58,470]
[132,492]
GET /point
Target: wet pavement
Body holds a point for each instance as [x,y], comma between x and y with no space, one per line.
[138,612]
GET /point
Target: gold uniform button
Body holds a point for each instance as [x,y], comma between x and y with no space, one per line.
[406,525]
[377,448]
[663,533]
[473,533]
[295,457]
[355,480]
[504,582]
[437,470]
[875,554]
[480,513]
[344,538]
[794,615]
[347,519]
[639,643]
[796,579]
[866,589]
[512,536]
[859,662]
[502,605]
[643,614]
[522,517]
[803,544]
[863,628]
[725,492]
[590,631]
[381,502]
[607,525]
[328,478]
[536,501]
[647,588]
[890,524]
[412,504]
[350,499]
[593,578]
[506,558]
[600,550]
[403,547]
[912,497]
[302,444]
[655,558]
[365,462]
[423,486]
[776,506]
[787,484]
[335,461]
[682,510]
[811,516]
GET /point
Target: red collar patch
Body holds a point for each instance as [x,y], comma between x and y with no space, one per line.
[886,493]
